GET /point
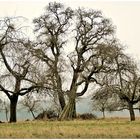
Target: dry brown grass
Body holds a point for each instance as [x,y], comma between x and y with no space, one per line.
[108,128]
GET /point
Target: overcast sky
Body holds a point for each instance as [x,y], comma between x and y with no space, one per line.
[125,16]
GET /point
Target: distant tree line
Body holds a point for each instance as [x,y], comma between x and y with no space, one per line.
[72,51]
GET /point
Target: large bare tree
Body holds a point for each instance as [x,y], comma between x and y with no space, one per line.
[90,31]
[51,29]
[91,56]
[15,75]
[91,36]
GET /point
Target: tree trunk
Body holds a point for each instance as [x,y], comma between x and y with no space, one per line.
[58,85]
[69,111]
[131,111]
[61,100]
[32,114]
[13,105]
[103,114]
[74,110]
[6,114]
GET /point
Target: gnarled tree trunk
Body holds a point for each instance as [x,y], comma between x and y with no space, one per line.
[131,111]
[69,111]
[13,106]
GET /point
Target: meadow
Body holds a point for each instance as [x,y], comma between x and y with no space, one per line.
[107,128]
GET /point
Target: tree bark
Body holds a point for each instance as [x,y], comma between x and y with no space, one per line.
[69,111]
[13,106]
[61,100]
[131,111]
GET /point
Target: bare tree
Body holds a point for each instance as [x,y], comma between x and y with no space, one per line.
[51,29]
[16,64]
[90,34]
[32,103]
[104,100]
[4,107]
[129,90]
[124,80]
[92,37]
[91,56]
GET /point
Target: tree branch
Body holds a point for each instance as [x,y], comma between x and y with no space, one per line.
[24,91]
[7,65]
[84,90]
[6,91]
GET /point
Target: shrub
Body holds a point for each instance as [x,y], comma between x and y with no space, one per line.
[87,116]
[48,114]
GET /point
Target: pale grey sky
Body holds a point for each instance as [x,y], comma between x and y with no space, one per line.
[125,16]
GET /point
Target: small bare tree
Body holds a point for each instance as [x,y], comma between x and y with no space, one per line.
[32,103]
[4,107]
[105,100]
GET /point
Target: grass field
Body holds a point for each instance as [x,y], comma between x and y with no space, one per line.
[108,128]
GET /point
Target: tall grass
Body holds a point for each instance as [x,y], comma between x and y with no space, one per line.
[108,128]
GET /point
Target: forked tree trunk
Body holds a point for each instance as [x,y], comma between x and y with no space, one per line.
[13,106]
[69,111]
[131,111]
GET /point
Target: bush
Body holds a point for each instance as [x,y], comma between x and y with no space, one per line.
[1,122]
[87,116]
[48,114]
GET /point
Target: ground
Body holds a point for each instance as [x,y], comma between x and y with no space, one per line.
[108,128]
